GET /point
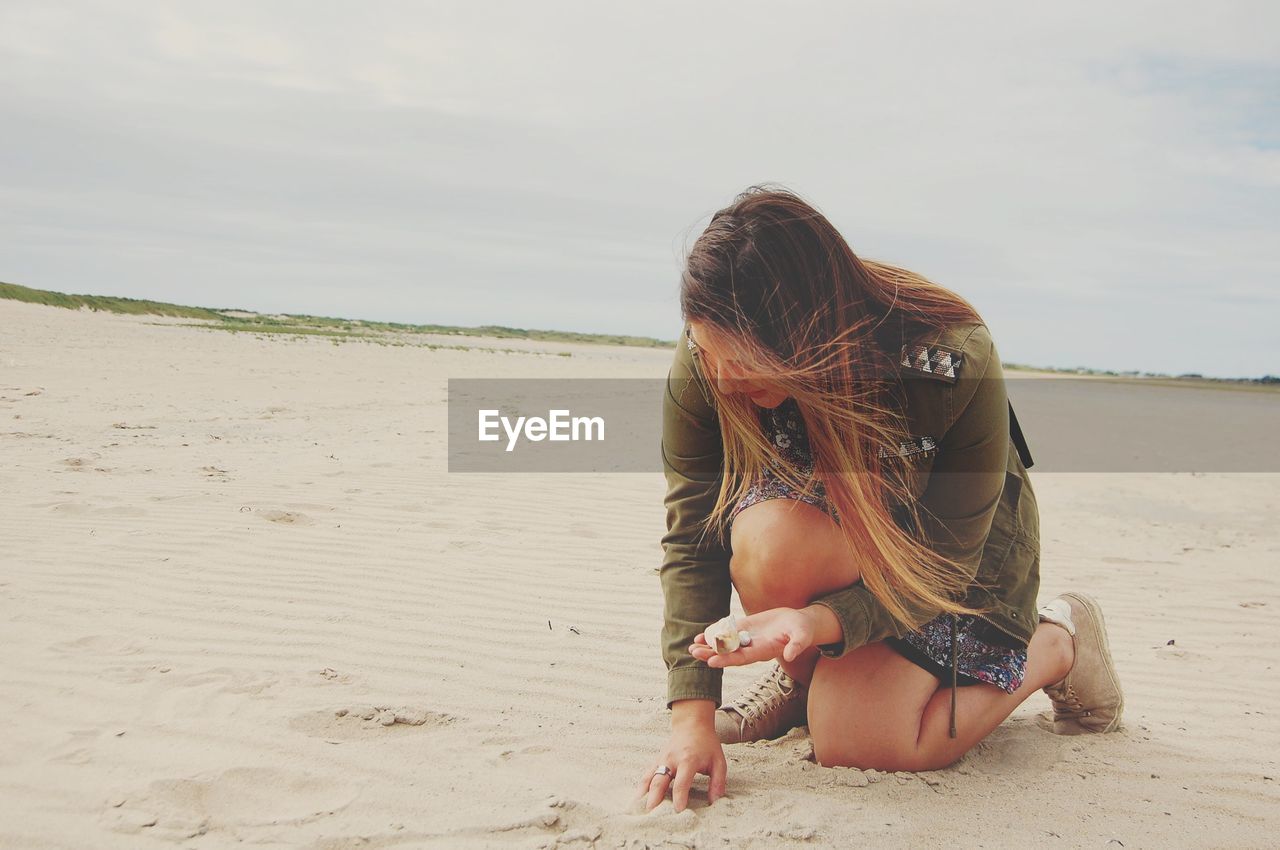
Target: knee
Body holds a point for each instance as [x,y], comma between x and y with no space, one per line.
[785,553]
[827,754]
[763,573]
[884,756]
[878,758]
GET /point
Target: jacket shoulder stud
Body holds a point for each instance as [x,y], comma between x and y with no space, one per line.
[932,360]
[911,447]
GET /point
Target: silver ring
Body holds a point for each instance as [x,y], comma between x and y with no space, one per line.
[663,770]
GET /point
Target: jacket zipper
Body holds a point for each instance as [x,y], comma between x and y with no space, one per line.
[999,628]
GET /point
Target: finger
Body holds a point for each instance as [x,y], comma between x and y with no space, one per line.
[701,638]
[794,647]
[797,642]
[719,777]
[657,790]
[701,651]
[680,788]
[757,651]
[738,656]
[646,776]
[646,780]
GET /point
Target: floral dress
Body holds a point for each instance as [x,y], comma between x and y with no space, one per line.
[984,654]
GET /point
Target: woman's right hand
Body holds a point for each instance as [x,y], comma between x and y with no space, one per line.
[693,748]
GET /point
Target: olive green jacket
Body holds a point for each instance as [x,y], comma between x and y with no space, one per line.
[976,502]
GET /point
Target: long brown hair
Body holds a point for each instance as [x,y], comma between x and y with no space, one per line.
[771,280]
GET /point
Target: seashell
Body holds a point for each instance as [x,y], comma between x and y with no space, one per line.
[726,637]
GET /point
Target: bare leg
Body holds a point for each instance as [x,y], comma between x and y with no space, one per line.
[874,708]
[871,708]
[786,553]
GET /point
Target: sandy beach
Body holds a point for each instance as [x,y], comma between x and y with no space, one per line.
[243,602]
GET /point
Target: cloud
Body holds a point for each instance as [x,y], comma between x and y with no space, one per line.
[1098,179]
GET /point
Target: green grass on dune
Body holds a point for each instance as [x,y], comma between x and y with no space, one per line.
[300,324]
[104,303]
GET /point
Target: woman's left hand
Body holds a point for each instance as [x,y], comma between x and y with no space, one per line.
[777,633]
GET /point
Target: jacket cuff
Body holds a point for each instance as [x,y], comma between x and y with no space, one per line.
[700,682]
[851,607]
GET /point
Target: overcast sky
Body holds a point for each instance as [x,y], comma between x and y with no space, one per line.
[1101,180]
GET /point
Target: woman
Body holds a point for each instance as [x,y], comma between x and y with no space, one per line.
[837,445]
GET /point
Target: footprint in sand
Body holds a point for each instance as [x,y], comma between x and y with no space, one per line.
[348,724]
[226,680]
[82,509]
[508,754]
[286,517]
[205,695]
[100,645]
[69,508]
[1171,650]
[309,506]
[129,675]
[235,800]
[548,825]
[79,748]
[121,510]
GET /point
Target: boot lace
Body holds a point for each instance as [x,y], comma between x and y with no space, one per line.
[764,696]
[1067,704]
